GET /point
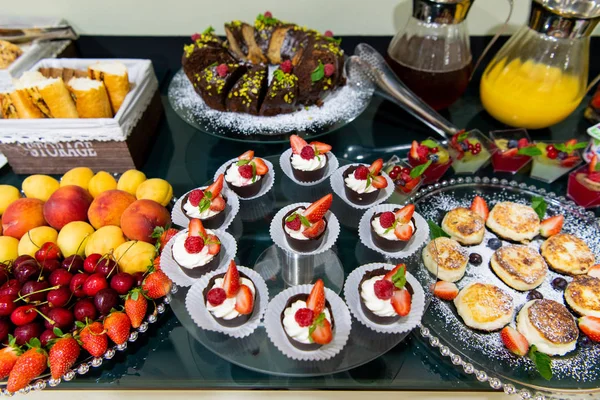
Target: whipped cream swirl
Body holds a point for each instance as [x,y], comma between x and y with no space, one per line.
[315,163]
[189,260]
[226,310]
[381,308]
[381,231]
[359,186]
[292,328]
[233,176]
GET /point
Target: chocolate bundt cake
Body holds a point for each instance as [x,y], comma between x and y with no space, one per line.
[313,67]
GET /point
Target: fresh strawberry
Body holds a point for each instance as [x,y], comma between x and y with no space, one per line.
[157,284]
[379,182]
[414,154]
[571,142]
[480,207]
[401,301]
[376,166]
[297,144]
[511,152]
[514,341]
[569,161]
[248,155]
[551,226]
[317,210]
[405,214]
[523,142]
[117,327]
[8,357]
[163,235]
[214,244]
[135,307]
[316,298]
[216,188]
[590,326]
[244,300]
[195,228]
[390,274]
[261,167]
[594,271]
[403,231]
[315,229]
[28,367]
[593,163]
[445,290]
[63,354]
[231,280]
[321,147]
[322,334]
[94,339]
[218,203]
[411,184]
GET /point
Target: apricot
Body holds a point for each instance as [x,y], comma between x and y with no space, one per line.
[79,176]
[67,204]
[35,238]
[155,189]
[8,195]
[107,208]
[8,248]
[22,216]
[40,187]
[73,238]
[105,240]
[135,256]
[141,217]
[101,182]
[130,180]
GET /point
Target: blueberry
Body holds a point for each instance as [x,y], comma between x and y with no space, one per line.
[534,295]
[400,182]
[475,259]
[433,157]
[559,283]
[494,243]
[464,145]
[512,144]
[562,155]
[585,341]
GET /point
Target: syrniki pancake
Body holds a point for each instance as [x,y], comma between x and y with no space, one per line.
[520,267]
[512,221]
[484,306]
[583,295]
[446,259]
[549,326]
[567,254]
[464,226]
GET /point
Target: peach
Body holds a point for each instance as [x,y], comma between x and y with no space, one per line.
[105,240]
[31,242]
[141,217]
[107,208]
[67,204]
[21,216]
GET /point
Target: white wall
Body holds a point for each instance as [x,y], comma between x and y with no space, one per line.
[183,17]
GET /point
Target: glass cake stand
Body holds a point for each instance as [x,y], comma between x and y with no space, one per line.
[309,123]
[280,270]
[483,354]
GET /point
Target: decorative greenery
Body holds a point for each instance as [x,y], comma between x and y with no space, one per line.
[435,231]
[429,143]
[570,147]
[529,151]
[208,31]
[399,278]
[542,362]
[317,322]
[318,73]
[420,169]
[539,205]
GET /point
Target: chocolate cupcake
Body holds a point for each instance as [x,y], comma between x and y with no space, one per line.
[245,191]
[240,319]
[381,320]
[354,196]
[391,243]
[295,343]
[310,176]
[213,222]
[198,271]
[302,245]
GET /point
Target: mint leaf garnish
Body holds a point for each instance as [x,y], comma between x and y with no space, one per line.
[542,362]
[419,169]
[435,231]
[333,40]
[539,205]
[208,30]
[368,181]
[529,151]
[304,220]
[253,172]
[278,75]
[399,278]
[391,227]
[318,73]
[462,136]
[570,148]
[242,162]
[429,143]
[204,205]
[317,322]
[291,217]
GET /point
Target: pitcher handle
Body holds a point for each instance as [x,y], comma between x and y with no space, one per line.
[592,83]
[496,36]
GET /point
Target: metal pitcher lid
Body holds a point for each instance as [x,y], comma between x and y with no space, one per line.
[564,18]
[583,9]
[441,11]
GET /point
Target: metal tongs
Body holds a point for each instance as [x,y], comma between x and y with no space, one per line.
[24,35]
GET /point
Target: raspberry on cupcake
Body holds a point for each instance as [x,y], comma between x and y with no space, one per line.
[245,176]
[392,231]
[385,296]
[207,204]
[362,184]
[308,160]
[198,252]
[305,228]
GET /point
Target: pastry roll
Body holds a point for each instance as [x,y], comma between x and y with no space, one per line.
[115,78]
[8,53]
[26,99]
[57,97]
[7,108]
[90,97]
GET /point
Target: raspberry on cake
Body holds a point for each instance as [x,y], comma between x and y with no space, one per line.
[308,160]
[245,176]
[198,252]
[385,296]
[207,204]
[392,231]
[362,184]
[305,228]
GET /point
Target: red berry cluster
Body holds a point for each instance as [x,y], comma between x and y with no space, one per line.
[304,317]
[387,219]
[194,244]
[384,289]
[222,70]
[195,197]
[361,173]
[403,173]
[196,36]
[286,66]
[328,33]
[268,14]
[307,153]
[294,224]
[473,148]
[245,171]
[216,296]
[329,69]
[551,152]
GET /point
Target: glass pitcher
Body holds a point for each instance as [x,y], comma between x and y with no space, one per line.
[539,76]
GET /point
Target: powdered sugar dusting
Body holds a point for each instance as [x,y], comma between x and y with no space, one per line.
[345,104]
[580,367]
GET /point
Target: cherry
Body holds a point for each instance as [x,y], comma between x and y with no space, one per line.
[83,309]
[44,308]
[94,283]
[7,304]
[49,266]
[60,277]
[47,336]
[139,278]
[105,300]
[23,315]
[4,273]
[122,282]
[59,297]
[62,318]
[73,263]
[22,259]
[25,333]
[107,267]
[89,265]
[26,271]
[34,291]
[48,251]
[76,284]
[13,286]
[5,329]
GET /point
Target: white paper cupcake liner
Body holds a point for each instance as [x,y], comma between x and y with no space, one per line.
[196,306]
[173,270]
[279,238]
[231,209]
[269,178]
[277,335]
[286,167]
[405,324]
[364,232]
[338,186]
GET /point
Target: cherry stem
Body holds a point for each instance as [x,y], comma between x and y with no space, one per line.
[45,317]
[38,291]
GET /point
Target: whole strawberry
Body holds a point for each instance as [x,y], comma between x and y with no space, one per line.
[156,262]
[8,357]
[63,354]
[28,367]
[93,339]
[163,235]
[157,285]
[135,307]
[117,327]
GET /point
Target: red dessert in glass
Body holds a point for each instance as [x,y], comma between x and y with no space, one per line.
[584,185]
[507,150]
[405,184]
[430,150]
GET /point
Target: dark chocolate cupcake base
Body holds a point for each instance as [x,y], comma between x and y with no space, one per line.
[370,314]
[247,191]
[387,244]
[310,176]
[361,199]
[213,222]
[200,270]
[240,319]
[300,245]
[295,343]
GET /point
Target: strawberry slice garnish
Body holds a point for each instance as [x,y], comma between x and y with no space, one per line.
[231,280]
[195,228]
[316,298]
[594,271]
[389,275]
[593,163]
[317,210]
[218,204]
[249,155]
[551,226]
[403,231]
[523,142]
[297,144]
[405,214]
[590,326]
[445,290]
[511,152]
[315,229]
[376,166]
[401,301]
[411,184]
[322,148]
[379,182]
[322,334]
[216,188]
[480,207]
[214,244]
[514,341]
[244,300]
[414,153]
[571,143]
[569,161]
[261,167]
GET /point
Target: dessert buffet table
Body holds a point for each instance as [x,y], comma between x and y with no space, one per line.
[169,356]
